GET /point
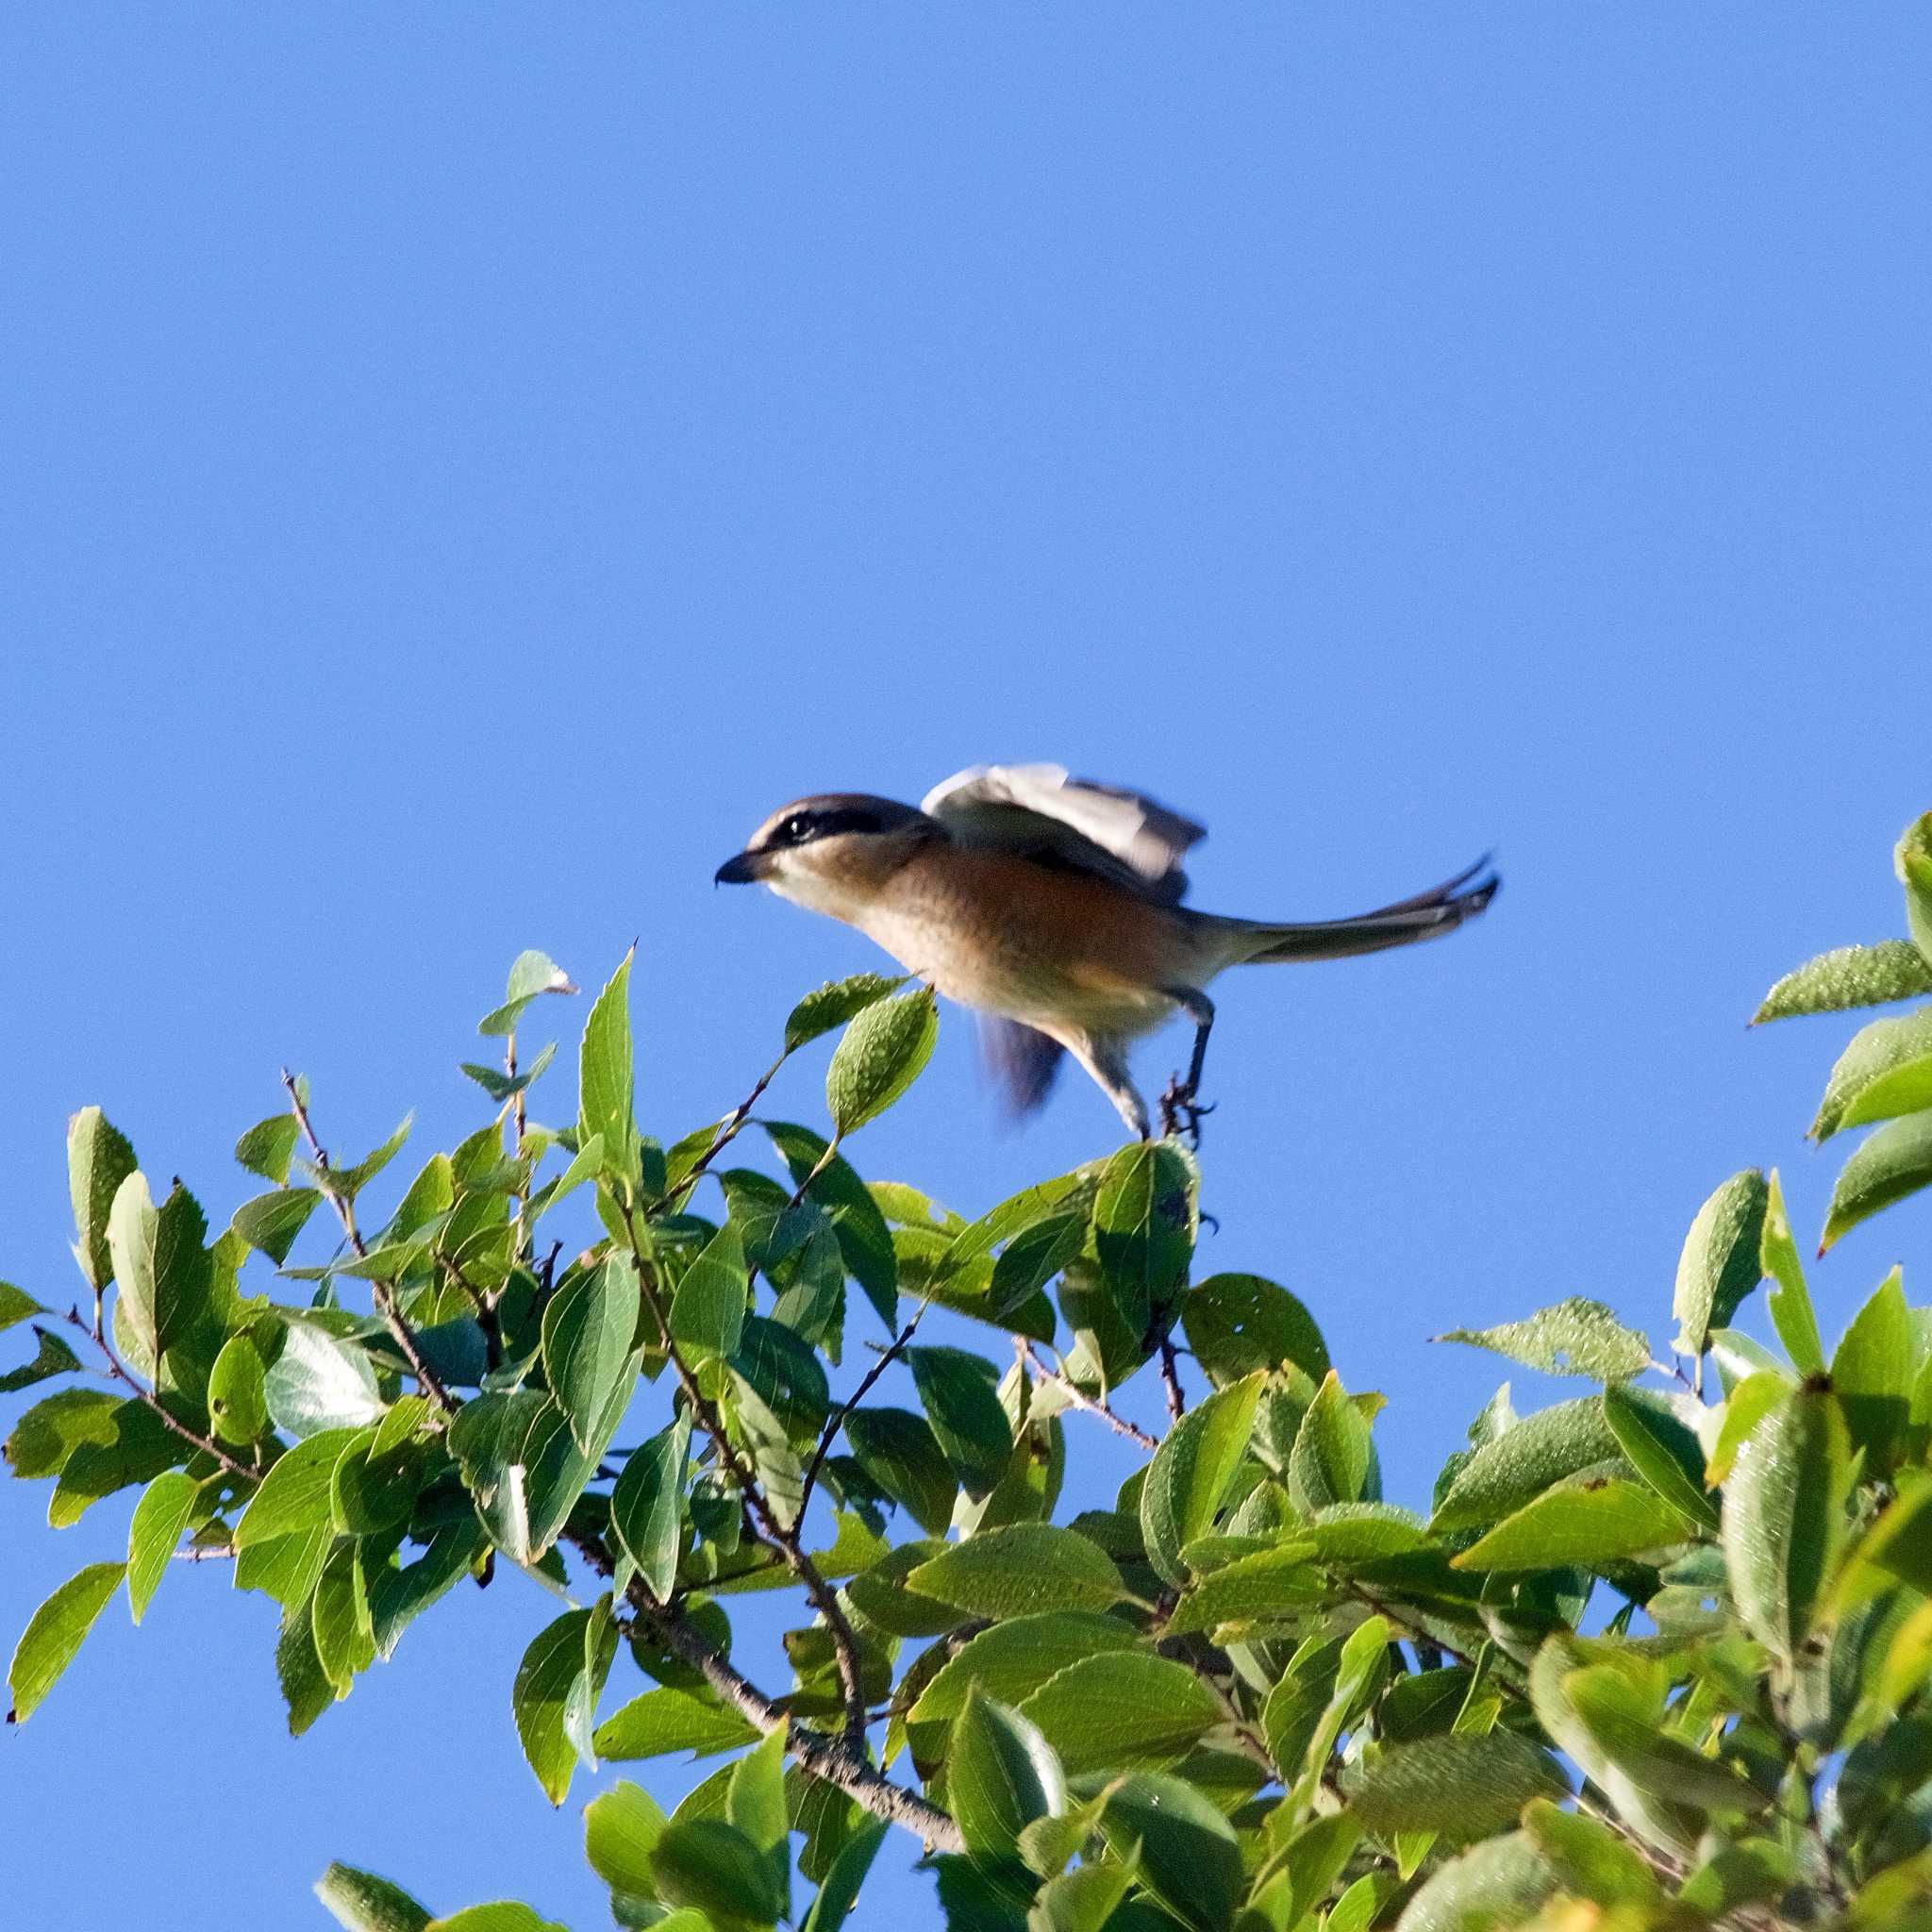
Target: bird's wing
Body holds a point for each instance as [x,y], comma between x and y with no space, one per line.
[1041,813]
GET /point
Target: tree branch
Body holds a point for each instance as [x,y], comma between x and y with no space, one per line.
[119,1372]
[838,1762]
[1117,1423]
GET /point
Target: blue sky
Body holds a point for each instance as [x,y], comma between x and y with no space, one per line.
[464,466]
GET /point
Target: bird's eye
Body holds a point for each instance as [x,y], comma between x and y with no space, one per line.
[795,828]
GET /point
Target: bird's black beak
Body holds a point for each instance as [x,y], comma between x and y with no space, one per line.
[742,869]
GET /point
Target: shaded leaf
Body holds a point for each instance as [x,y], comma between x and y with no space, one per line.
[606,1077]
[899,1452]
[1188,1854]
[361,1902]
[556,1693]
[1143,1227]
[708,1309]
[1459,1785]
[1011,1659]
[647,1507]
[52,1358]
[1662,1451]
[712,1865]
[587,1334]
[271,1221]
[265,1148]
[1122,1711]
[161,1265]
[1001,1774]
[1235,1324]
[1021,1568]
[957,1392]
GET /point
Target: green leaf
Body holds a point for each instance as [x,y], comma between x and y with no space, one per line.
[708,1307]
[1720,1263]
[834,1003]
[1083,1900]
[971,1427]
[556,1693]
[502,1085]
[622,1827]
[1783,1517]
[153,1531]
[1001,1774]
[345,1181]
[531,975]
[588,1327]
[1873,1372]
[340,1622]
[899,1452]
[265,1148]
[1889,1165]
[1912,861]
[238,1392]
[1518,1465]
[1144,1222]
[865,1242]
[294,1495]
[523,1468]
[1022,1569]
[271,1222]
[1588,1858]
[1886,1070]
[659,1722]
[708,1864]
[1274,1585]
[1235,1324]
[1662,1451]
[1586,1522]
[1122,1711]
[320,1383]
[1789,1302]
[1188,1854]
[1011,1659]
[1191,1473]
[99,1159]
[606,1076]
[1499,1882]
[54,1427]
[838,1893]
[1574,1338]
[755,1803]
[1849,976]
[647,1507]
[506,1915]
[361,1902]
[1748,1404]
[1461,1786]
[52,1358]
[1334,1457]
[884,1049]
[16,1306]
[160,1263]
[54,1632]
[1033,1257]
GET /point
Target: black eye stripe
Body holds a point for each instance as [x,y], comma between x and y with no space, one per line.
[801,826]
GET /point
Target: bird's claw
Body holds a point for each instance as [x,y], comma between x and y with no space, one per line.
[1181,1113]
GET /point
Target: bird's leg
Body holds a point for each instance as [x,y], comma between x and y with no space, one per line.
[1105,1060]
[1179,1111]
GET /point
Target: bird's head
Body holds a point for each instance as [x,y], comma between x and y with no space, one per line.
[833,853]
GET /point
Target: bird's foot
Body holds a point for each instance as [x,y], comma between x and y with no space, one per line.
[1181,1113]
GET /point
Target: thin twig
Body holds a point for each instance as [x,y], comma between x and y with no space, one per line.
[119,1372]
[727,1133]
[1117,1423]
[1171,1380]
[836,1420]
[840,1762]
[404,1335]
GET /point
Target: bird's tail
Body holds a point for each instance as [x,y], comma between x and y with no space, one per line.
[1439,911]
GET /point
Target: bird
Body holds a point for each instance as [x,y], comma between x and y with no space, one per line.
[1051,906]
